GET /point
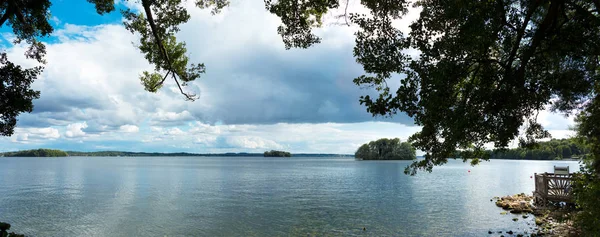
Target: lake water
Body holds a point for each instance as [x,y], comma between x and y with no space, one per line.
[256,196]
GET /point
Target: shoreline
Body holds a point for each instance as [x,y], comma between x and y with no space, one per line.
[554,221]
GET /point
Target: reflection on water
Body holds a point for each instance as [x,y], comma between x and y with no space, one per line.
[255,196]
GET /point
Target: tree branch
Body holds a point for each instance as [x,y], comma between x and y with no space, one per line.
[188,96]
[17,10]
[164,78]
[520,33]
[150,19]
[538,37]
[146,4]
[7,14]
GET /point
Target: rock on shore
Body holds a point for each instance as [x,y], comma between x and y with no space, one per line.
[549,222]
[517,203]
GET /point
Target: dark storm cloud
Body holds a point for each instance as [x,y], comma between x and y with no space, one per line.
[262,86]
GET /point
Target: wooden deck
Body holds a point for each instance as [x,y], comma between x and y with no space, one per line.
[552,188]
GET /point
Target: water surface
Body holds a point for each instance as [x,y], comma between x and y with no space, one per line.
[256,196]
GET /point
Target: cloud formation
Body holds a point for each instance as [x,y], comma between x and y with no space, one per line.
[255,95]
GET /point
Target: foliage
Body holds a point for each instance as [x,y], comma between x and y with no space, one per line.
[550,150]
[483,70]
[386,149]
[15,92]
[29,21]
[274,153]
[159,45]
[586,190]
[36,153]
[4,233]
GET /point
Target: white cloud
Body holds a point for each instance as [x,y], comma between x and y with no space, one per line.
[255,94]
[165,118]
[206,140]
[174,132]
[202,128]
[129,128]
[249,142]
[28,135]
[554,121]
[74,130]
[22,137]
[50,133]
[55,20]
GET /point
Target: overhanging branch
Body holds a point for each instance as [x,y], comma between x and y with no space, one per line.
[146,4]
[17,11]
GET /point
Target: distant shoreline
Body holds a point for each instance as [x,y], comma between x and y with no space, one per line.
[29,153]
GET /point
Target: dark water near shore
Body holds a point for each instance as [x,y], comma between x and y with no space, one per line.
[255,196]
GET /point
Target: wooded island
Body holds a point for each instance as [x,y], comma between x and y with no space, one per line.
[36,153]
[274,153]
[386,149]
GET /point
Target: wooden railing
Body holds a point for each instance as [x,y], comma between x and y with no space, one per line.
[552,188]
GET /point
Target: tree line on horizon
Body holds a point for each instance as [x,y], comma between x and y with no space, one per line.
[554,149]
[56,153]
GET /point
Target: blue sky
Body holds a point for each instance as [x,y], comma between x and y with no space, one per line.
[255,95]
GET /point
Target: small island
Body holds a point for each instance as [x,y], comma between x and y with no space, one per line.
[36,153]
[386,149]
[274,153]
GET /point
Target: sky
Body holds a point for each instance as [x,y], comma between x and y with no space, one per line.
[255,95]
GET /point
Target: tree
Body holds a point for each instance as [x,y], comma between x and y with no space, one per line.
[484,68]
[386,149]
[565,151]
[15,93]
[363,152]
[586,183]
[157,26]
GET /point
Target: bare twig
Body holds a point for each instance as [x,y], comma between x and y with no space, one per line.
[188,96]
